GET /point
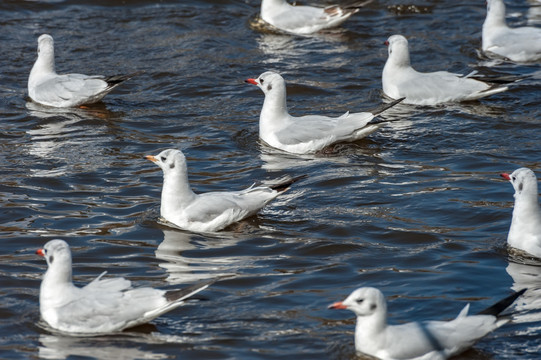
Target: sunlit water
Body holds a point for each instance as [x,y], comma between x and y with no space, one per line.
[416,209]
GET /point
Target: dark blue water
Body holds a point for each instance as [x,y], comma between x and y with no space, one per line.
[416,209]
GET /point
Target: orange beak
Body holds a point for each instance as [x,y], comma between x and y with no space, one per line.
[506,176]
[151,158]
[386,43]
[251,81]
[337,305]
[40,252]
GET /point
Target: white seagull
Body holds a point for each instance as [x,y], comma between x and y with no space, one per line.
[521,44]
[48,88]
[309,133]
[102,306]
[426,340]
[400,79]
[525,230]
[207,212]
[305,20]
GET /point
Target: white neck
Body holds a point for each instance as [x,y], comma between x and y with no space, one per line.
[58,275]
[400,56]
[44,65]
[526,204]
[274,112]
[496,15]
[176,191]
[368,331]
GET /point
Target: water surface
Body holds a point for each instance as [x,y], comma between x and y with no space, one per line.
[416,209]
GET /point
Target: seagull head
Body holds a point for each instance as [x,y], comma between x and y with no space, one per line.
[364,301]
[269,82]
[56,252]
[45,44]
[524,182]
[170,160]
[398,50]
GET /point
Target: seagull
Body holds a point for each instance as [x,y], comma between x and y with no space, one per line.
[427,340]
[48,88]
[525,231]
[208,212]
[399,79]
[102,306]
[310,133]
[305,20]
[521,44]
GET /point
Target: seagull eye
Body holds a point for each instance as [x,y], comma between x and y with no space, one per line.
[359,301]
[163,158]
[261,81]
[514,178]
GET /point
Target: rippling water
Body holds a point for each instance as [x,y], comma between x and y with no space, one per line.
[417,209]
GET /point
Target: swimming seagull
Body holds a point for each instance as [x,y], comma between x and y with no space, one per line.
[102,306]
[400,79]
[304,20]
[47,87]
[417,340]
[309,133]
[525,230]
[520,44]
[210,211]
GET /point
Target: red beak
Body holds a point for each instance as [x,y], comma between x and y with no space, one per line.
[337,305]
[386,43]
[505,176]
[251,81]
[40,252]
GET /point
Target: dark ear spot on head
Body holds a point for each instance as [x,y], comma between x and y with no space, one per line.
[373,307]
[520,187]
[51,259]
[269,87]
[172,166]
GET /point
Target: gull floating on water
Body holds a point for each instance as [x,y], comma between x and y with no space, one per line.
[520,44]
[426,340]
[210,211]
[525,230]
[47,87]
[400,79]
[309,133]
[102,306]
[304,20]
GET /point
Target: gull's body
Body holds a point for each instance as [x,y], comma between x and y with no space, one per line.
[310,133]
[520,44]
[102,306]
[47,87]
[427,340]
[304,20]
[525,230]
[400,79]
[211,211]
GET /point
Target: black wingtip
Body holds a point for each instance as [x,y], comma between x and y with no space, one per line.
[118,79]
[500,79]
[286,184]
[384,107]
[502,304]
[181,294]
